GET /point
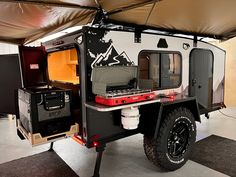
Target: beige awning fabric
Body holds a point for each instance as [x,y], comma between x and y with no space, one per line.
[23,21]
[211,17]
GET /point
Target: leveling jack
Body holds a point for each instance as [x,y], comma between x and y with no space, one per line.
[100,149]
[51,147]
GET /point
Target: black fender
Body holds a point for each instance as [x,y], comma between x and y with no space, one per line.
[153,115]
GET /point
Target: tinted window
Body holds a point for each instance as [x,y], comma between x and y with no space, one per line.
[159,70]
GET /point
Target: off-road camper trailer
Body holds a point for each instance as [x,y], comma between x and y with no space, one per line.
[172,79]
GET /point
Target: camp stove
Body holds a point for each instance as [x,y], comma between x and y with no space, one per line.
[125,92]
[114,89]
[125,96]
[119,97]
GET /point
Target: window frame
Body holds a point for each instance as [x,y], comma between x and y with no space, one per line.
[165,52]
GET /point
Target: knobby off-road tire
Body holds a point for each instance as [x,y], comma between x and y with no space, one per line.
[174,142]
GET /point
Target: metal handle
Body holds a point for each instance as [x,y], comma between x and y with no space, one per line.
[194,81]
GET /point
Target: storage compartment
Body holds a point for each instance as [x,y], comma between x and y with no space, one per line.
[45,111]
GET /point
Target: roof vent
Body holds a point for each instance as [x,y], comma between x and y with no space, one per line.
[162,43]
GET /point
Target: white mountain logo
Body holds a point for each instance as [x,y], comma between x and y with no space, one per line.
[110,58]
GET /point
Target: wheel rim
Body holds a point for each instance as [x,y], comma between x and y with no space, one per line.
[178,139]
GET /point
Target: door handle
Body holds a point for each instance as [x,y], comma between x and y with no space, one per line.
[199,86]
[194,81]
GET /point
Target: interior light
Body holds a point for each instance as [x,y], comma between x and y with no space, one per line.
[95,144]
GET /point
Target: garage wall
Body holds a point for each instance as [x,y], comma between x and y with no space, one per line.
[8,49]
[230,76]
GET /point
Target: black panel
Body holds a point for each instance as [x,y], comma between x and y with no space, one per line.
[148,119]
[105,127]
[103,124]
[10,81]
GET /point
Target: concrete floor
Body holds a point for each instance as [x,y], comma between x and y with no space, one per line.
[123,158]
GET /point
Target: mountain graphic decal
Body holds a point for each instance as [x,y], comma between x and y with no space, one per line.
[111,57]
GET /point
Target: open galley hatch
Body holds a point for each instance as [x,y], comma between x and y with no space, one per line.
[62,66]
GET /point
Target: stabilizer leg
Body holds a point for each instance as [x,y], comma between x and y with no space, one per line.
[51,147]
[99,151]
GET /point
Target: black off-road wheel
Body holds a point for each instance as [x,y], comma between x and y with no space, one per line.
[174,142]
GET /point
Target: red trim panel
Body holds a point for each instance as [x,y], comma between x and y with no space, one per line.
[124,100]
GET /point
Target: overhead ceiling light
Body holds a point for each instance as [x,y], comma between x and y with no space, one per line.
[59,34]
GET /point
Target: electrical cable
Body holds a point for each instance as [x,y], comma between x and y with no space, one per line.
[227,115]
